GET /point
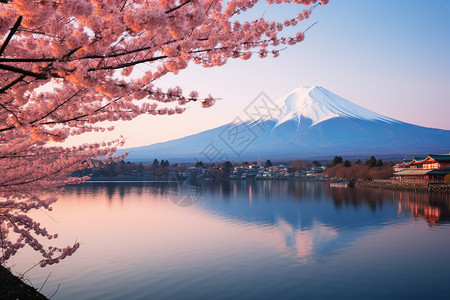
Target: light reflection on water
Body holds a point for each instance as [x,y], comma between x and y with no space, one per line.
[262,239]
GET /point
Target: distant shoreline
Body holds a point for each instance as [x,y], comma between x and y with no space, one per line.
[439,188]
[146,180]
[442,188]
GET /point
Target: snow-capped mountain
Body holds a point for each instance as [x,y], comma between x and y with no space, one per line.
[319,104]
[310,122]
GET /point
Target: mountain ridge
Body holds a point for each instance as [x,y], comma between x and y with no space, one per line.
[311,122]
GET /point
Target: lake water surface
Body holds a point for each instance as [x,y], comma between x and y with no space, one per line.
[245,240]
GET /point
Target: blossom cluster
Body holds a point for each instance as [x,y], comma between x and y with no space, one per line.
[67,66]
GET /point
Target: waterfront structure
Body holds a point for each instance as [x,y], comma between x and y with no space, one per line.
[430,169]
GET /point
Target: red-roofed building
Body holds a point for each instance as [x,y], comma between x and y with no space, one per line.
[430,169]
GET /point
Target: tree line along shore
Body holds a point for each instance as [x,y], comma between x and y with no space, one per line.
[369,169]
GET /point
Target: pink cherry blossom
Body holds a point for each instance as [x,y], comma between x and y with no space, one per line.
[67,66]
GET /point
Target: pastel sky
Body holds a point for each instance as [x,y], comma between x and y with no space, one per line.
[392,57]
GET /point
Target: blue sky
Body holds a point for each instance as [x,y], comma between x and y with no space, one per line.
[392,57]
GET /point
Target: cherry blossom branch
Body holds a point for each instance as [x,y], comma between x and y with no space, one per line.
[57,107]
[66,66]
[177,7]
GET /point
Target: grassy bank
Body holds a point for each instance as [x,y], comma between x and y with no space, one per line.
[11,287]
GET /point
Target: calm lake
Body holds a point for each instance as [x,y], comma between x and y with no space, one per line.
[245,240]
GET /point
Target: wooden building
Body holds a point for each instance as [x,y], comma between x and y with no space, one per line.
[430,169]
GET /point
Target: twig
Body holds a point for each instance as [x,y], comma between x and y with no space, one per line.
[309,27]
[55,291]
[45,281]
[23,274]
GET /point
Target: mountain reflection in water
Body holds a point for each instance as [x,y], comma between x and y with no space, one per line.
[247,240]
[295,215]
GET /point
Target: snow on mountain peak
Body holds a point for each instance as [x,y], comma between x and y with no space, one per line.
[319,104]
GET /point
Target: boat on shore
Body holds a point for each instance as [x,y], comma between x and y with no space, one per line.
[342,183]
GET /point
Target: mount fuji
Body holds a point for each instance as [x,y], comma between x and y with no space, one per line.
[310,123]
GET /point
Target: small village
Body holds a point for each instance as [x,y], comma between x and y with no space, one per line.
[420,170]
[225,171]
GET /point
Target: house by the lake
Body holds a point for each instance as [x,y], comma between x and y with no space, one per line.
[430,169]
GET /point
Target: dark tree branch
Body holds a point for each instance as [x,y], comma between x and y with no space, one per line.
[12,60]
[12,83]
[128,64]
[22,71]
[177,7]
[10,35]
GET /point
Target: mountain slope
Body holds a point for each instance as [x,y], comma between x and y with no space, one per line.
[311,122]
[319,104]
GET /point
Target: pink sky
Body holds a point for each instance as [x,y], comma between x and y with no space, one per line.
[389,57]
